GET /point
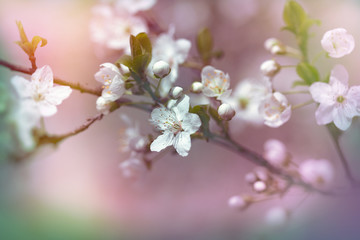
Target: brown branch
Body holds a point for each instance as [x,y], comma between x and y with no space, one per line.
[75,86]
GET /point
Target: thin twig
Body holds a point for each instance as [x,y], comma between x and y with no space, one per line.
[75,86]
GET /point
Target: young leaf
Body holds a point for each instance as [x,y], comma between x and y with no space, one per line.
[201,110]
[308,73]
[294,16]
[144,42]
[135,46]
[204,44]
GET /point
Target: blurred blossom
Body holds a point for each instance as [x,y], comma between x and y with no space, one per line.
[176,124]
[259,186]
[275,110]
[277,216]
[134,6]
[317,172]
[338,42]
[215,82]
[239,202]
[238,12]
[112,29]
[171,51]
[41,91]
[276,153]
[133,140]
[338,103]
[133,167]
[246,100]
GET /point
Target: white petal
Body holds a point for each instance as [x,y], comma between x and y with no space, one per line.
[182,107]
[182,48]
[44,76]
[160,115]
[57,94]
[340,73]
[338,87]
[182,143]
[324,114]
[116,89]
[191,123]
[340,119]
[22,86]
[46,109]
[162,141]
[322,93]
[354,93]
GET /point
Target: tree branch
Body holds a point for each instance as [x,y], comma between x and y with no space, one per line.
[75,86]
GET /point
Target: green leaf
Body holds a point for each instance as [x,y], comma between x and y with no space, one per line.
[140,62]
[135,46]
[144,42]
[201,110]
[124,60]
[308,73]
[214,114]
[294,16]
[204,44]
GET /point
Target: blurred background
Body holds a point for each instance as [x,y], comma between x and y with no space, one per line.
[76,191]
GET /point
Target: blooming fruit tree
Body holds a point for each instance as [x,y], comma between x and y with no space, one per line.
[145,77]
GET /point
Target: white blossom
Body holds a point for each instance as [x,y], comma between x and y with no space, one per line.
[338,43]
[112,30]
[134,6]
[41,90]
[338,103]
[216,83]
[132,168]
[277,216]
[239,202]
[275,110]
[176,124]
[172,51]
[276,153]
[318,172]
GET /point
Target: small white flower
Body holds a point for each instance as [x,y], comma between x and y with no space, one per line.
[41,90]
[176,124]
[270,68]
[113,30]
[275,152]
[275,110]
[317,172]
[215,82]
[338,103]
[338,42]
[246,100]
[172,51]
[226,112]
[132,168]
[112,80]
[133,140]
[134,6]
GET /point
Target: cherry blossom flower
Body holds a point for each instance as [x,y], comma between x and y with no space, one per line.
[41,90]
[133,167]
[275,110]
[134,6]
[176,124]
[215,82]
[133,140]
[338,42]
[112,29]
[172,51]
[246,99]
[276,153]
[277,216]
[317,172]
[240,202]
[338,103]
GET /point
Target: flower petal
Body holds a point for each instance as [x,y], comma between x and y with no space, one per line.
[324,114]
[22,86]
[57,94]
[354,93]
[46,109]
[159,116]
[182,49]
[322,93]
[340,73]
[182,107]
[44,76]
[162,141]
[340,119]
[182,143]
[191,123]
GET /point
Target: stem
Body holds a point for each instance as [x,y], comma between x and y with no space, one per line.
[75,86]
[193,65]
[343,160]
[295,92]
[302,104]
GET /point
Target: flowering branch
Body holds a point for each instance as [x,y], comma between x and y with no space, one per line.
[76,86]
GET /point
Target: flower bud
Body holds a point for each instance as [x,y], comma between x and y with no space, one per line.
[259,186]
[250,177]
[176,92]
[277,216]
[270,42]
[262,174]
[239,202]
[270,68]
[226,112]
[161,69]
[196,87]
[275,46]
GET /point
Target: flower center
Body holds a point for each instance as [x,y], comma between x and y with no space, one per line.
[340,99]
[244,102]
[38,97]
